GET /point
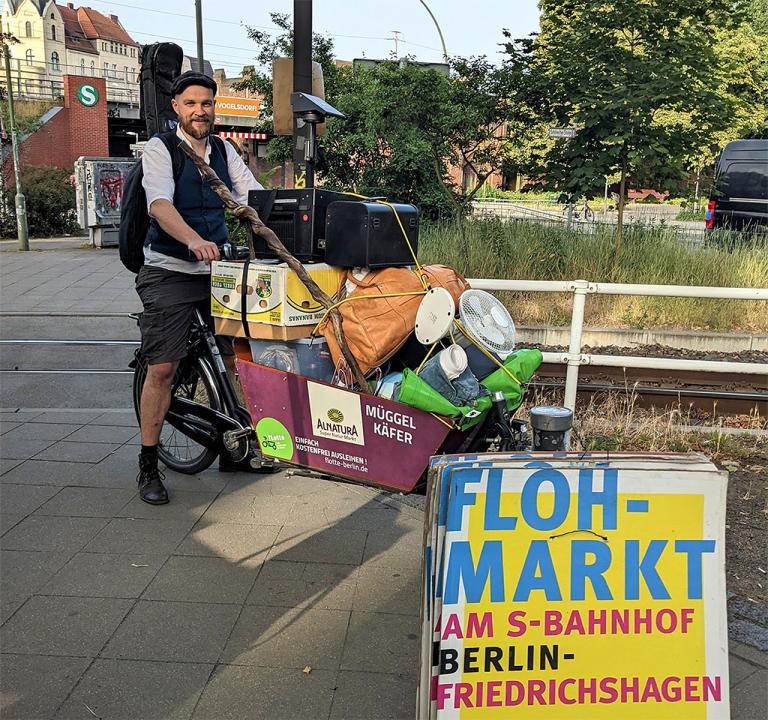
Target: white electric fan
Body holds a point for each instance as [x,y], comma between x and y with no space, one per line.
[486,320]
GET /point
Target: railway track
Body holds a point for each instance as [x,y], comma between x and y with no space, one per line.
[712,393]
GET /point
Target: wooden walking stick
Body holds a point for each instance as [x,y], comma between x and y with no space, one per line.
[249,215]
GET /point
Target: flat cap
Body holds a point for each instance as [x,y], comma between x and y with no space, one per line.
[181,83]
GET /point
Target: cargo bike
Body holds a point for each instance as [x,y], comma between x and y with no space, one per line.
[289,418]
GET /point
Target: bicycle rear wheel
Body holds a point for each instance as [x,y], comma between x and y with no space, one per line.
[194,380]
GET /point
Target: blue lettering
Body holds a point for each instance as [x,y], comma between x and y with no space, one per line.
[461,568]
[493,519]
[694,549]
[588,498]
[459,498]
[581,571]
[530,494]
[538,558]
[634,567]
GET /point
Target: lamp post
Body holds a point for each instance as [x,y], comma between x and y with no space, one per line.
[439,31]
[199,27]
[21,204]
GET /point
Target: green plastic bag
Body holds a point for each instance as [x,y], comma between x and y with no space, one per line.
[416,393]
[521,363]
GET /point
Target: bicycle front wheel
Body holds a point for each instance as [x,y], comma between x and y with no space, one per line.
[194,380]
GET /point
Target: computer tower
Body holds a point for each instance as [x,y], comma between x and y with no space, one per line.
[297,217]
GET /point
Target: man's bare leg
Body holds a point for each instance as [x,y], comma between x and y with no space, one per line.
[155,400]
[154,404]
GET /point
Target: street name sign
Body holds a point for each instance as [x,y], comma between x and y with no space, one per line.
[562,133]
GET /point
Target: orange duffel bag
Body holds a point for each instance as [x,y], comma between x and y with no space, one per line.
[376,326]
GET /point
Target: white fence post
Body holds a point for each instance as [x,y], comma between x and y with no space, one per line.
[573,358]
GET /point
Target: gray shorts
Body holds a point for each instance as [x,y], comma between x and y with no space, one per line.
[169,300]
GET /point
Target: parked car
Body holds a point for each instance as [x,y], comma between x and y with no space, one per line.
[739,199]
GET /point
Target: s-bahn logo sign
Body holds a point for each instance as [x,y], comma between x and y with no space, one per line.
[88,95]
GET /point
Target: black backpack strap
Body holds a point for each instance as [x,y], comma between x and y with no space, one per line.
[244,297]
[178,158]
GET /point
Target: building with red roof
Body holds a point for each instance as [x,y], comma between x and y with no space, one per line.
[56,40]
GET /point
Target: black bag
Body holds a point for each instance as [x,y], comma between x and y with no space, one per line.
[134,218]
[160,66]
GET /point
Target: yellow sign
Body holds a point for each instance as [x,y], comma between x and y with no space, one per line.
[239,107]
[580,592]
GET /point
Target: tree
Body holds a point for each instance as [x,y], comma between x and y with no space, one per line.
[405,125]
[617,70]
[258,78]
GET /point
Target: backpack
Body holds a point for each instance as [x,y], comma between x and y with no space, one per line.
[134,218]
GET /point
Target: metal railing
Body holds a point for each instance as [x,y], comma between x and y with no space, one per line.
[554,213]
[44,80]
[580,289]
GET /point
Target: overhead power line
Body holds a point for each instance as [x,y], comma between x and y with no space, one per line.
[244,24]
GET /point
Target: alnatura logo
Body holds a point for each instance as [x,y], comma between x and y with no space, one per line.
[335,416]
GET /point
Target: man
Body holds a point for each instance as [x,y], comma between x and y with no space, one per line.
[187,229]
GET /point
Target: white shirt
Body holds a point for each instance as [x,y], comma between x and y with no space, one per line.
[159,185]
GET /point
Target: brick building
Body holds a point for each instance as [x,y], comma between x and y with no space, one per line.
[79,127]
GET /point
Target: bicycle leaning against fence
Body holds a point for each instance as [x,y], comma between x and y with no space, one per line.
[579,212]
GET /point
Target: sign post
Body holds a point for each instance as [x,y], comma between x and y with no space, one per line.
[303,171]
[564,134]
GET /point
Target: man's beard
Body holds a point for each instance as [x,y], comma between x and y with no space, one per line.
[197,130]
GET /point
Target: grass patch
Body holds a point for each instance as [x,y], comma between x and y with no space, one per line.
[490,248]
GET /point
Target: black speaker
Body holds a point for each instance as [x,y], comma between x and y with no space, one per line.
[297,217]
[367,234]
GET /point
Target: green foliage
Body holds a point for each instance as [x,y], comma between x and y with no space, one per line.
[258,78]
[50,199]
[406,126]
[26,112]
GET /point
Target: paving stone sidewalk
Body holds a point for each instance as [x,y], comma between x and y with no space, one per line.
[214,606]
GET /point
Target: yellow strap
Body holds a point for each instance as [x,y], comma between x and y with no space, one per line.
[485,352]
[416,262]
[447,424]
[426,357]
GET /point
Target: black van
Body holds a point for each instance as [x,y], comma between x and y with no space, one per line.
[740,197]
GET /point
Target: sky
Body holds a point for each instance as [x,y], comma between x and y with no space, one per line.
[360,28]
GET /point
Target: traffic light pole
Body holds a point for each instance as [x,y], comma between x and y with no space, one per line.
[303,171]
[21,204]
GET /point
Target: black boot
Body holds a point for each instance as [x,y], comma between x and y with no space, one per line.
[150,481]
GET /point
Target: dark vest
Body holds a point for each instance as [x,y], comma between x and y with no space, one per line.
[198,206]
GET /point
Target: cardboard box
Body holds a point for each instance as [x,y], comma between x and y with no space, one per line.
[260,331]
[275,295]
